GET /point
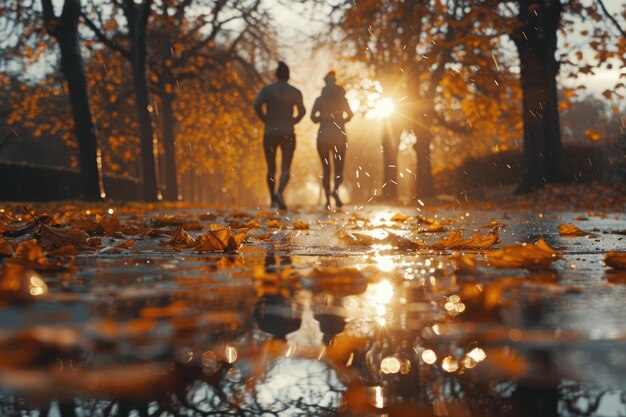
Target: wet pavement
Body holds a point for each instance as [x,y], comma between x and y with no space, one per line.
[348,317]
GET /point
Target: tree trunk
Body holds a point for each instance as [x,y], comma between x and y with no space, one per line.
[65,30]
[136,19]
[390,166]
[169,145]
[536,42]
[423,174]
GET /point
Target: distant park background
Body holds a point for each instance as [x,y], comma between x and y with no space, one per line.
[450,99]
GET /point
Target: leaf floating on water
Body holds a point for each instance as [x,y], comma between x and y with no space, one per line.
[571,230]
[219,239]
[537,256]
[615,260]
[300,225]
[180,238]
[455,240]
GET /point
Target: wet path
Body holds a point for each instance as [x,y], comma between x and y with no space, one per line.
[317,322]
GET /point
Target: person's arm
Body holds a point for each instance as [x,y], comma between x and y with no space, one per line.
[300,108]
[315,112]
[258,105]
[347,110]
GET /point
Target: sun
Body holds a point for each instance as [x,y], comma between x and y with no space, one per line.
[383,108]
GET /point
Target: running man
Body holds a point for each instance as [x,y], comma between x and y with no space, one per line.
[279,99]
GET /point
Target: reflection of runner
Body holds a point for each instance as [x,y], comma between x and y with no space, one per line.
[332,111]
[279,100]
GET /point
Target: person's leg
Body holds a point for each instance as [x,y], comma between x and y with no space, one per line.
[287,148]
[269,146]
[339,153]
[324,153]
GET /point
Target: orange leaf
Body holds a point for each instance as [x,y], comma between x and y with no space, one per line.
[615,260]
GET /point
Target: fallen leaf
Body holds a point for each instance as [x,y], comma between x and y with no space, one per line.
[399,217]
[275,224]
[455,240]
[615,260]
[126,244]
[180,238]
[86,223]
[56,237]
[108,225]
[254,224]
[300,225]
[400,242]
[24,228]
[426,220]
[529,256]
[571,230]
[219,240]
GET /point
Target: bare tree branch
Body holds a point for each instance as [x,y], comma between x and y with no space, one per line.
[612,18]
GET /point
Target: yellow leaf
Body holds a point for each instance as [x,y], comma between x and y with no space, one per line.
[300,225]
[455,240]
[571,230]
[537,256]
[399,217]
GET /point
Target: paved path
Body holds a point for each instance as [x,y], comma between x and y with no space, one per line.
[248,332]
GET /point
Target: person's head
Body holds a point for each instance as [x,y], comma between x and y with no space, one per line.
[330,78]
[282,71]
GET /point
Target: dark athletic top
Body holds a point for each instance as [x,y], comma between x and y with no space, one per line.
[279,99]
[332,111]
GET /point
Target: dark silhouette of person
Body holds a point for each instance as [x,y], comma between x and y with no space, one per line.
[280,99]
[332,111]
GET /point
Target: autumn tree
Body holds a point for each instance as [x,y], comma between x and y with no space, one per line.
[535,37]
[134,49]
[426,52]
[197,40]
[24,40]
[64,28]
